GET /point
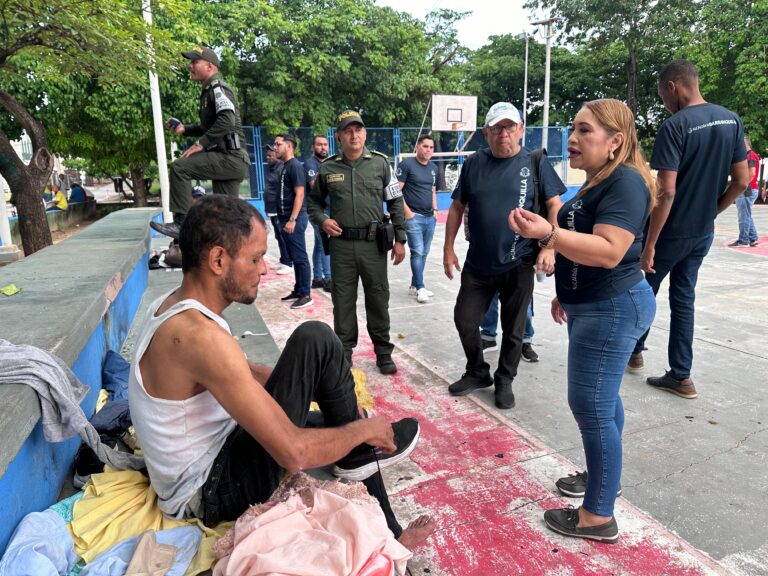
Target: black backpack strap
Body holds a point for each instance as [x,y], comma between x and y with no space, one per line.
[538,205]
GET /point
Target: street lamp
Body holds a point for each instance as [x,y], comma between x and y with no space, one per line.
[548,35]
[525,36]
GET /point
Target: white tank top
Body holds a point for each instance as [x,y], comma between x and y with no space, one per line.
[180,438]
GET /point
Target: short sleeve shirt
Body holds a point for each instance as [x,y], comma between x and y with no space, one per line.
[753,160]
[491,188]
[419,180]
[291,177]
[622,200]
[700,143]
[311,166]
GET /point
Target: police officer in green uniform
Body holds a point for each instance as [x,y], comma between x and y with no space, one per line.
[219,153]
[356,183]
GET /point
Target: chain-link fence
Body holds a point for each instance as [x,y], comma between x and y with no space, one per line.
[396,141]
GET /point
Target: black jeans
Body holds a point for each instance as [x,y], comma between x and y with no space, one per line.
[311,367]
[515,289]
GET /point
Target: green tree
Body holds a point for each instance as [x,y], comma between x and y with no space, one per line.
[642,27]
[730,50]
[42,42]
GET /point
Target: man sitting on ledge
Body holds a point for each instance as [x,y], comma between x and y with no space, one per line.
[219,432]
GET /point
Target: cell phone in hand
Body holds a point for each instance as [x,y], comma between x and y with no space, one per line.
[173,122]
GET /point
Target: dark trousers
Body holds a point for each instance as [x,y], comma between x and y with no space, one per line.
[353,261]
[681,258]
[285,259]
[225,170]
[515,288]
[297,250]
[311,367]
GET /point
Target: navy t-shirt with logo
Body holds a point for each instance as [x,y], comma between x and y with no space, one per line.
[491,188]
[291,177]
[622,200]
[311,166]
[419,180]
[700,143]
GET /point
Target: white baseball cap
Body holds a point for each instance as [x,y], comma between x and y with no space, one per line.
[501,111]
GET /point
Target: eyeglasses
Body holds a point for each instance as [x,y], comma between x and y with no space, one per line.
[499,129]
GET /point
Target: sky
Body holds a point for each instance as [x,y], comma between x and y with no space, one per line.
[489,17]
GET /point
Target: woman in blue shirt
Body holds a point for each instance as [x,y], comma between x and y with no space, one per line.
[604,298]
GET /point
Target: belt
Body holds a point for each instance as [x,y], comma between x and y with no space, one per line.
[354,234]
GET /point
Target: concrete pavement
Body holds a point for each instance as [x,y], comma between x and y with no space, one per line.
[694,474]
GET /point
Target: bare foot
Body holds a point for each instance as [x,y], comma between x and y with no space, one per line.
[417,532]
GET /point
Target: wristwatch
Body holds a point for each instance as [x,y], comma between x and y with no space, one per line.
[291,219]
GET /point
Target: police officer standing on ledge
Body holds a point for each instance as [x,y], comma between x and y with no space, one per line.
[219,153]
[356,183]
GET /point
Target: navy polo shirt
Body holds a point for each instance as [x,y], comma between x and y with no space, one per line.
[491,188]
[622,200]
[699,143]
[419,180]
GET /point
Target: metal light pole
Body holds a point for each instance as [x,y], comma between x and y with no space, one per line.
[157,121]
[525,36]
[548,36]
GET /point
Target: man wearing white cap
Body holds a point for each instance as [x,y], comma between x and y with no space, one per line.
[494,181]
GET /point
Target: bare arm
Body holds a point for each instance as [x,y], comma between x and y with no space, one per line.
[260,372]
[545,261]
[739,182]
[603,248]
[296,209]
[450,260]
[666,183]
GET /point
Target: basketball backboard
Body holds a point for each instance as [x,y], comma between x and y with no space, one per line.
[454,113]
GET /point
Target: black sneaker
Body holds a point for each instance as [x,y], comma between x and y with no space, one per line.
[489,345]
[466,384]
[503,395]
[364,461]
[292,296]
[737,243]
[564,521]
[386,364]
[171,229]
[302,302]
[575,485]
[528,353]
[328,286]
[318,283]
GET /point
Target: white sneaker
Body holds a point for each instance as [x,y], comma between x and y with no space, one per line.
[422,295]
[428,292]
[283,270]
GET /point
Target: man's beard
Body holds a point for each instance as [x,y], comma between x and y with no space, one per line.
[232,294]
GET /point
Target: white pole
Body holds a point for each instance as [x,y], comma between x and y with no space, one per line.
[157,121]
[545,121]
[525,88]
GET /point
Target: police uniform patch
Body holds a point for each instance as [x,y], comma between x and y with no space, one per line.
[334,178]
[222,102]
[392,190]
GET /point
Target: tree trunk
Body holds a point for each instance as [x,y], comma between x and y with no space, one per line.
[27,181]
[139,187]
[33,224]
[632,80]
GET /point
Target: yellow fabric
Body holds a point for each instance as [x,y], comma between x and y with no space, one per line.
[118,505]
[61,200]
[364,399]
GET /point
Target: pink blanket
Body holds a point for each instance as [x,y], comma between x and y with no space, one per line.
[334,537]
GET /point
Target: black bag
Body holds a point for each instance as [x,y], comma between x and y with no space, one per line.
[385,235]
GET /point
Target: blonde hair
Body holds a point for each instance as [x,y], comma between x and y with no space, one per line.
[616,117]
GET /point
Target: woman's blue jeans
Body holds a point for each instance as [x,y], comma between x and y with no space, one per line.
[602,335]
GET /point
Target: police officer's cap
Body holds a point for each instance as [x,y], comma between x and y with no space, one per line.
[203,53]
[348,117]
